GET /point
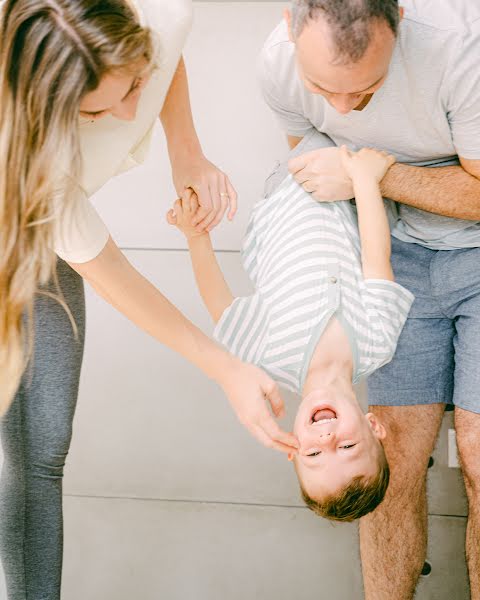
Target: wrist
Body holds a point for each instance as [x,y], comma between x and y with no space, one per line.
[222,367]
[199,240]
[364,182]
[185,150]
[387,185]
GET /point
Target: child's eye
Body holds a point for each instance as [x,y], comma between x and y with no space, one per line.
[349,446]
[314,454]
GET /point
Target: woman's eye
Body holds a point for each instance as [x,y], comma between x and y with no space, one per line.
[348,446]
[135,86]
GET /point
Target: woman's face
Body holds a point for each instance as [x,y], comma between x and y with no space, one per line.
[117,95]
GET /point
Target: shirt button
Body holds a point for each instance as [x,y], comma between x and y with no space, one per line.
[333,280]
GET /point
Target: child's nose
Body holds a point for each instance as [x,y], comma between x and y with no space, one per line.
[325,439]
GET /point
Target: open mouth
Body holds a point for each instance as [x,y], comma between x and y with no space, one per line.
[323,415]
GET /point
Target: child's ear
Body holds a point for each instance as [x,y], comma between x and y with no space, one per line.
[291,456]
[378,429]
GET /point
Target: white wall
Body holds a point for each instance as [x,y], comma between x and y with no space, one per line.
[166,496]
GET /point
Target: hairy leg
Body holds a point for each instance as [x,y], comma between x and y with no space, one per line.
[393,538]
[467,425]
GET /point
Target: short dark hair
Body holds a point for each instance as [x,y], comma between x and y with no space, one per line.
[359,497]
[350,22]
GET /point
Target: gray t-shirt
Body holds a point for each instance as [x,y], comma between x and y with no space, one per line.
[427,113]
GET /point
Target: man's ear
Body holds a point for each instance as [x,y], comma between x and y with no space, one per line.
[287,15]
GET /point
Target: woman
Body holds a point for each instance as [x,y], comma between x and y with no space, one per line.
[82,82]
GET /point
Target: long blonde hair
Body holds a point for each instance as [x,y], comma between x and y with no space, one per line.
[52,52]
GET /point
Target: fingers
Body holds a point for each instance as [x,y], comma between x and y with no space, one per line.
[171,217]
[276,434]
[299,162]
[205,201]
[223,198]
[276,401]
[268,442]
[345,154]
[213,206]
[232,196]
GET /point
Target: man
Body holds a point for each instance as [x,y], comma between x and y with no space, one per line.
[405,80]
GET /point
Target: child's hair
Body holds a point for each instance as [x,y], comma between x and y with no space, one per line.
[359,497]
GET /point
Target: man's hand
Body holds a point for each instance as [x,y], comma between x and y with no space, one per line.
[321,172]
[213,188]
[184,215]
[250,390]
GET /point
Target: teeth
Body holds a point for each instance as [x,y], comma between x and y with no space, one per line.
[323,421]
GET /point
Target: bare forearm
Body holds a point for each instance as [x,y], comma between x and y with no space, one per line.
[448,191]
[176,117]
[122,286]
[374,230]
[212,285]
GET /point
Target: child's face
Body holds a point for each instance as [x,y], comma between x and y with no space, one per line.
[337,442]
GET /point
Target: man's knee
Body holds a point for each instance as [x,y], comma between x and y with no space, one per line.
[467,425]
[410,440]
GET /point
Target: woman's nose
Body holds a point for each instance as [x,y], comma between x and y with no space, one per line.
[126,112]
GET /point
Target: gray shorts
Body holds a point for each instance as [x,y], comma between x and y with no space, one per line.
[438,354]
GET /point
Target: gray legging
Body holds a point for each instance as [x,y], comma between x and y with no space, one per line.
[35,436]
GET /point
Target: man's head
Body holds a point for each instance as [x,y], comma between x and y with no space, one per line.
[341,465]
[344,47]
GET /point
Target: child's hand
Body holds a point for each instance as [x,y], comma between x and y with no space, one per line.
[183,213]
[367,162]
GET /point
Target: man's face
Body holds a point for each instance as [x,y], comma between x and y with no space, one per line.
[345,86]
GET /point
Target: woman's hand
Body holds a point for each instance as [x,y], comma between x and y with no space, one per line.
[250,391]
[367,163]
[184,213]
[215,193]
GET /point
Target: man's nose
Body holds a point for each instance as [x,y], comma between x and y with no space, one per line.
[344,104]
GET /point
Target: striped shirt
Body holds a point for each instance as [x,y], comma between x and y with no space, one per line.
[303,258]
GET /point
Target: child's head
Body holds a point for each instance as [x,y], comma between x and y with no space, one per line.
[341,465]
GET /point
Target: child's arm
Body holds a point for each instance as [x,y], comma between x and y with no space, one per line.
[210,281]
[366,169]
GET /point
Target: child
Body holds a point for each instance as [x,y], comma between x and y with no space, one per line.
[325,313]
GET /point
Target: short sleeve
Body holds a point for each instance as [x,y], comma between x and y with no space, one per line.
[81,235]
[242,328]
[249,251]
[388,304]
[278,79]
[464,94]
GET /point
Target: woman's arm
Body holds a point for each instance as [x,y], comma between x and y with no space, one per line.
[247,388]
[366,169]
[210,281]
[190,168]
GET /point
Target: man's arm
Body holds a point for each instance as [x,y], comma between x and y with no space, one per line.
[449,191]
